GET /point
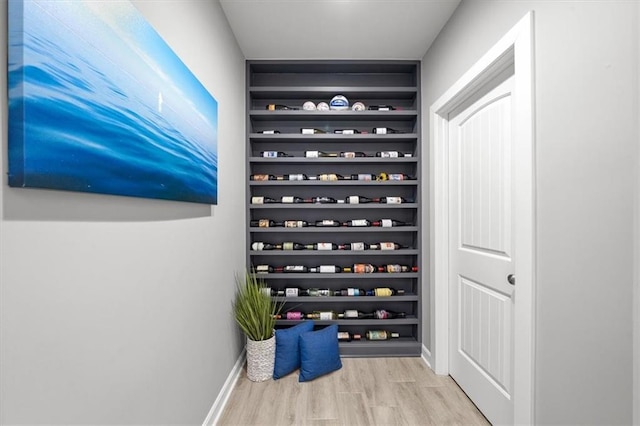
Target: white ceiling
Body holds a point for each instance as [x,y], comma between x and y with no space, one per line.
[336,29]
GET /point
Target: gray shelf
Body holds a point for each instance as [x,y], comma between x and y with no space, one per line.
[334,253]
[333,183]
[348,299]
[334,160]
[404,346]
[335,206]
[303,92]
[321,137]
[340,229]
[382,276]
[369,323]
[295,115]
[292,83]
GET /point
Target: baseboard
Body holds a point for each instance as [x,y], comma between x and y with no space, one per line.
[225,392]
[426,356]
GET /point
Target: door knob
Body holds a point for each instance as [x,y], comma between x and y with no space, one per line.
[511,279]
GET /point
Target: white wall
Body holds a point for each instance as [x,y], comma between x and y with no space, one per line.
[586,157]
[116,310]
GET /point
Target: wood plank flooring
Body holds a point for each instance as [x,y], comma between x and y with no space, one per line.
[366,391]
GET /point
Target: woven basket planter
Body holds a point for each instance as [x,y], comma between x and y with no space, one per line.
[261,357]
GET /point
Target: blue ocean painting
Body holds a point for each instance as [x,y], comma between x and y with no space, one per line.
[98,102]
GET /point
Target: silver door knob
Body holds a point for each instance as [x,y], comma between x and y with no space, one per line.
[511,279]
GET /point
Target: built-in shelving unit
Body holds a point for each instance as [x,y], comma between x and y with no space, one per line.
[374,83]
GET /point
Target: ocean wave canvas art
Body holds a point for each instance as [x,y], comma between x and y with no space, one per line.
[98,102]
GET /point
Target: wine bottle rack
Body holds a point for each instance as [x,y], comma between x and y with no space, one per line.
[373,83]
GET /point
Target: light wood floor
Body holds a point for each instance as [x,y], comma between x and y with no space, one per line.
[366,391]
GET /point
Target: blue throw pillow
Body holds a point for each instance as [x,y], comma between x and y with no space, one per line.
[287,349]
[319,353]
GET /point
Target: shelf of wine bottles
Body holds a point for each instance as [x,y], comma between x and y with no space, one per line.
[358,322]
[363,141]
[333,183]
[334,198]
[313,230]
[334,253]
[309,276]
[335,206]
[407,297]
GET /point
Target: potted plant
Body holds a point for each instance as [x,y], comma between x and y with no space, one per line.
[255,312]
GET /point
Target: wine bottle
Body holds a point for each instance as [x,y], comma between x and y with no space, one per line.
[394,268]
[316,292]
[330,177]
[388,223]
[384,314]
[362,268]
[279,107]
[352,154]
[269,132]
[273,154]
[259,246]
[324,246]
[391,154]
[381,108]
[323,200]
[387,245]
[357,223]
[324,315]
[357,199]
[262,177]
[294,269]
[385,131]
[345,336]
[295,224]
[288,245]
[393,176]
[346,131]
[264,269]
[263,200]
[384,292]
[381,335]
[399,176]
[350,292]
[391,200]
[325,269]
[306,131]
[319,154]
[355,314]
[262,223]
[291,292]
[297,176]
[363,176]
[290,199]
[327,223]
[358,246]
[294,315]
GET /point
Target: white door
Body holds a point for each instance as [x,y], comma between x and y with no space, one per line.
[481,250]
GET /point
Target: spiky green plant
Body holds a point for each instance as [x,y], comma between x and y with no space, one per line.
[253,309]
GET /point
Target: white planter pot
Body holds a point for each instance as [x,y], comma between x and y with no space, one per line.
[261,357]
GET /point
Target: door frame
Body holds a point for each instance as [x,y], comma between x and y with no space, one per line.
[515,49]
